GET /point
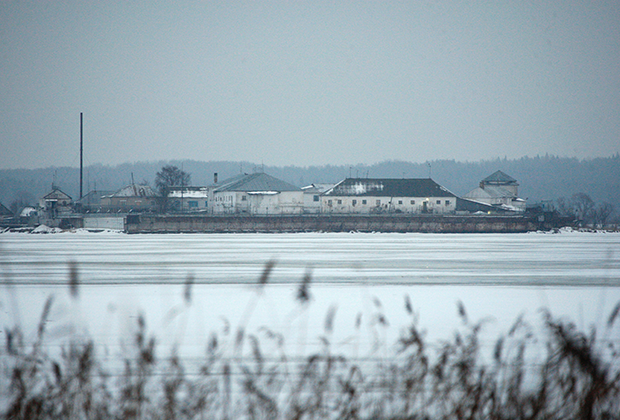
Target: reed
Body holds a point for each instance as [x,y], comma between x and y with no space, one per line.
[578,376]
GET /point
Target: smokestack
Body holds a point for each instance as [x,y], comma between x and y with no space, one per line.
[81,156]
[215,178]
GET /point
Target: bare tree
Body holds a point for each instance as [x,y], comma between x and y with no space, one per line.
[583,206]
[565,207]
[601,213]
[169,176]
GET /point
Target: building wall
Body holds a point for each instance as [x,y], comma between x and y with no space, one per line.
[128,203]
[224,202]
[192,204]
[343,223]
[312,202]
[116,223]
[376,205]
[238,202]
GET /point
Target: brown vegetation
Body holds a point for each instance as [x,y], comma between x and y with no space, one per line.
[577,376]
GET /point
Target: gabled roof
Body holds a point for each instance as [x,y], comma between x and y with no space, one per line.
[254,183]
[4,211]
[387,187]
[134,190]
[490,191]
[499,178]
[56,194]
[317,188]
[94,197]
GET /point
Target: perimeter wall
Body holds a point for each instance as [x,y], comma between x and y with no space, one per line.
[324,223]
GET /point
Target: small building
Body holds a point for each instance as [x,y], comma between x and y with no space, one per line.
[256,194]
[190,199]
[312,197]
[132,198]
[56,203]
[499,190]
[91,202]
[375,196]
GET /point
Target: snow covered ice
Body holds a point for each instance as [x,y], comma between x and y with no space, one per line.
[359,276]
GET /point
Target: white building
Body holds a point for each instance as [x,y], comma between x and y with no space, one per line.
[190,199]
[499,190]
[256,194]
[375,196]
[56,203]
[312,197]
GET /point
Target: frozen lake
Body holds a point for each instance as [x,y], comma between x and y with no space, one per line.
[359,277]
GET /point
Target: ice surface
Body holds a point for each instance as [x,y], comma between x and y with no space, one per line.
[362,276]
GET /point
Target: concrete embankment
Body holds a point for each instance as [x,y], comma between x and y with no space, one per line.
[325,223]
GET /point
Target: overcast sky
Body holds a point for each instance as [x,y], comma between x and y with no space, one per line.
[307,83]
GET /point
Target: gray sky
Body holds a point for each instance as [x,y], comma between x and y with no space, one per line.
[307,83]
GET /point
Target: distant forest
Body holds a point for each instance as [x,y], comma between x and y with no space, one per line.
[541,178]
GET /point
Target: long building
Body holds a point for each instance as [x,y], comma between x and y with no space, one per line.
[385,195]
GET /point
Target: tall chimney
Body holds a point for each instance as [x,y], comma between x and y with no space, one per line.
[81,156]
[215,178]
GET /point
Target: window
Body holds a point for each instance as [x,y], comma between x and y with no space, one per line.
[329,203]
[339,201]
[192,204]
[206,202]
[378,202]
[412,202]
[244,198]
[315,198]
[354,202]
[438,201]
[447,202]
[400,202]
[363,201]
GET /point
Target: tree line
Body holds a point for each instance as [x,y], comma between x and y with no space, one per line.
[541,178]
[584,210]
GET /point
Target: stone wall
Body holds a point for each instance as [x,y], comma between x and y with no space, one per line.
[325,223]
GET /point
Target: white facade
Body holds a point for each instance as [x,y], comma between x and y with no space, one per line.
[312,197]
[256,194]
[387,196]
[258,202]
[381,204]
[191,199]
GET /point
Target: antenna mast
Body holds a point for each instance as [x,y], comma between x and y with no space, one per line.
[81,156]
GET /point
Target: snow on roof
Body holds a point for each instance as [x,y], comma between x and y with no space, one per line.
[317,188]
[190,192]
[489,191]
[255,182]
[388,187]
[498,177]
[134,190]
[27,211]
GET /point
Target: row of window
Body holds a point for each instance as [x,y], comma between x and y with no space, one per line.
[378,202]
[354,202]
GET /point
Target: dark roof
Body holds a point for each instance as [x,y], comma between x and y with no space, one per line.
[135,190]
[255,182]
[5,211]
[94,197]
[56,193]
[379,187]
[500,178]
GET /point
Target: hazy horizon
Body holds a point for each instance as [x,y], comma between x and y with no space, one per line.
[254,166]
[307,83]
